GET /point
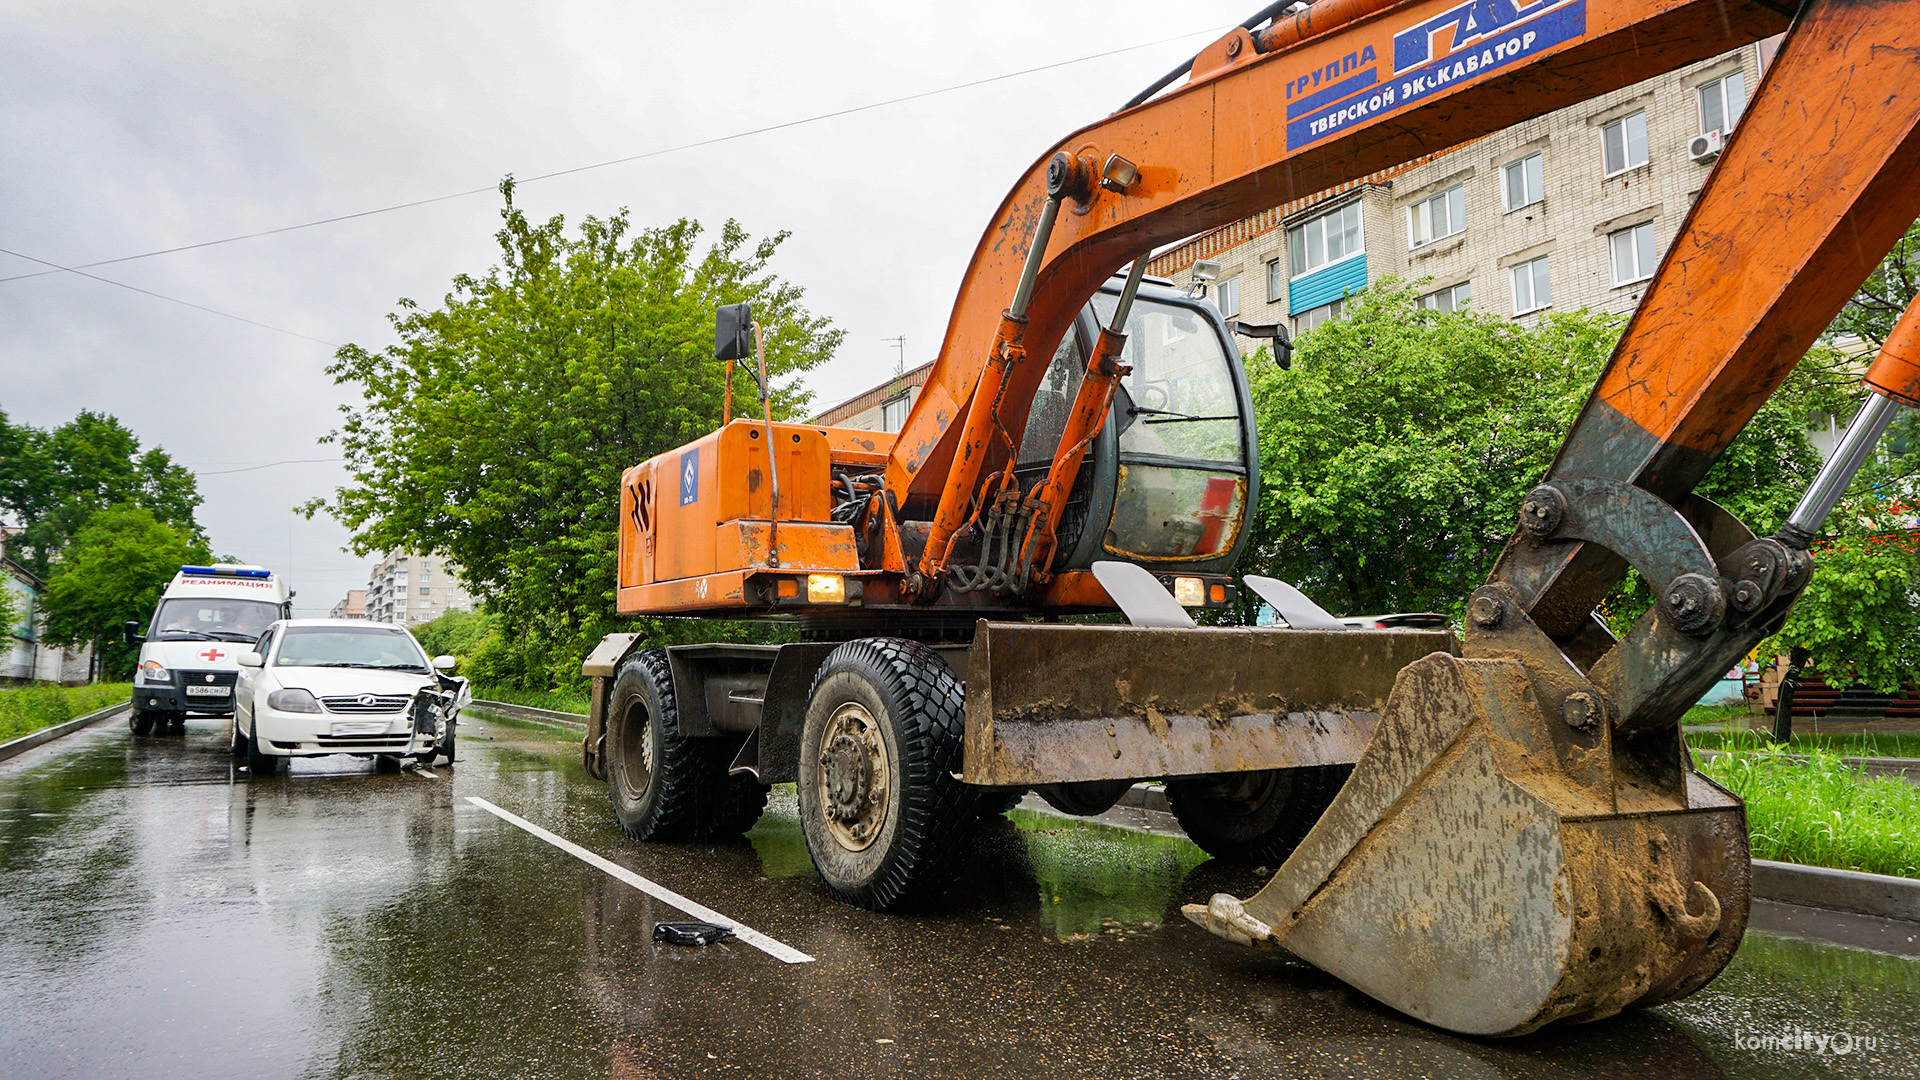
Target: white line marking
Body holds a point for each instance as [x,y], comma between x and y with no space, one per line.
[775,949]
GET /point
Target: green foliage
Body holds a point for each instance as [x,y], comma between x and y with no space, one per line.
[114,570]
[495,432]
[53,482]
[1396,451]
[455,633]
[30,708]
[1860,616]
[12,612]
[1820,812]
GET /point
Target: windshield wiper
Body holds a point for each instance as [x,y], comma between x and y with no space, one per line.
[370,667]
[230,635]
[1172,417]
[190,635]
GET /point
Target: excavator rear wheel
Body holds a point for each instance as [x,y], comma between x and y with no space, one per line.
[1254,817]
[654,774]
[886,823]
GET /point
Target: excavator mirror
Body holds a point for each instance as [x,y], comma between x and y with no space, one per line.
[733,332]
[1274,332]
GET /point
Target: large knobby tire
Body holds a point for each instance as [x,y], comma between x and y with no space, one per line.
[1254,817]
[886,823]
[666,786]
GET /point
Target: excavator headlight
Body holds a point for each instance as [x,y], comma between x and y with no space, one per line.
[1189,591]
[826,589]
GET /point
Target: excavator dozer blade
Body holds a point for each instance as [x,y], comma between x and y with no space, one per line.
[1490,868]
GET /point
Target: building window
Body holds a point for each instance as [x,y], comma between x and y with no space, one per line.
[1276,282]
[893,413]
[1623,143]
[424,590]
[1531,290]
[1311,318]
[1720,103]
[1442,215]
[1227,297]
[1329,238]
[1633,256]
[1524,183]
[1452,298]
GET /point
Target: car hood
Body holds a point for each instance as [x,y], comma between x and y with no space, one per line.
[330,682]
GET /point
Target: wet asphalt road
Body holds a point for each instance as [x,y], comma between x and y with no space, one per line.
[164,916]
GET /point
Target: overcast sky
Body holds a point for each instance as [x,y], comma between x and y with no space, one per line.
[135,127]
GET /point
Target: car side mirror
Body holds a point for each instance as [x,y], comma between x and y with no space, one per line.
[1274,332]
[132,632]
[444,663]
[733,332]
[252,659]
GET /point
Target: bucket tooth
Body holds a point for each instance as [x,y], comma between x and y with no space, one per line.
[1480,873]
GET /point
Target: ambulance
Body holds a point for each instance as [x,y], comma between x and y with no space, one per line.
[189,656]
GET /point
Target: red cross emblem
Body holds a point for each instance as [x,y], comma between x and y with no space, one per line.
[211,655]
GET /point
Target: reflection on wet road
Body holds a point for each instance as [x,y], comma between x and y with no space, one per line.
[165,916]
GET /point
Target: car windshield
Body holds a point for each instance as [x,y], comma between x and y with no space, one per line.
[384,647]
[198,618]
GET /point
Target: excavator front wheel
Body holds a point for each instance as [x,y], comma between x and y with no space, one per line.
[886,823]
[1254,817]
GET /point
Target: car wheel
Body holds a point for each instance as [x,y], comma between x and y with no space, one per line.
[237,743]
[142,722]
[1254,817]
[386,763]
[886,823]
[260,764]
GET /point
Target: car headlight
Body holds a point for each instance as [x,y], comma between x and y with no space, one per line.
[152,671]
[292,701]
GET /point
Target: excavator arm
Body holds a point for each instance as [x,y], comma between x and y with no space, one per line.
[1350,87]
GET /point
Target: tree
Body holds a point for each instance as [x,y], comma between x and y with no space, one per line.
[1873,310]
[52,482]
[495,431]
[114,570]
[1397,450]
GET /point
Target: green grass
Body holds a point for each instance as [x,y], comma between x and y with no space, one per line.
[1819,812]
[1902,744]
[557,700]
[1736,714]
[30,708]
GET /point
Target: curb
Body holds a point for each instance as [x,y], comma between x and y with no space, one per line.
[46,735]
[1839,890]
[549,717]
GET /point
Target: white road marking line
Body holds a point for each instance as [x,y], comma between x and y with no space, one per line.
[777,950]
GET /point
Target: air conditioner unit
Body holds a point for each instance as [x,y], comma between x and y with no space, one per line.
[1705,148]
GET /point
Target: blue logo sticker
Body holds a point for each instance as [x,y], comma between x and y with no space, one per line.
[690,477]
[1479,35]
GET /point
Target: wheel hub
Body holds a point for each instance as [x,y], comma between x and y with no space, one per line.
[853,785]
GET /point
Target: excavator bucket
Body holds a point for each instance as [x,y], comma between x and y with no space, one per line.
[1501,859]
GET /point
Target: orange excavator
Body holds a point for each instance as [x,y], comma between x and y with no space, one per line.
[1491,832]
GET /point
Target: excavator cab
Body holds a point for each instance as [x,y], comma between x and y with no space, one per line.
[1169,479]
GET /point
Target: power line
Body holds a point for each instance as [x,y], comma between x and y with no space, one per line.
[161,296]
[271,464]
[585,168]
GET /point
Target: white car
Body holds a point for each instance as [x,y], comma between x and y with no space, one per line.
[342,686]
